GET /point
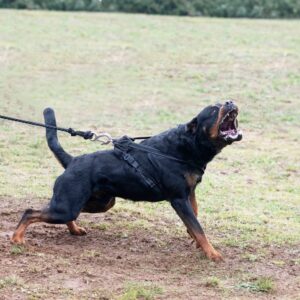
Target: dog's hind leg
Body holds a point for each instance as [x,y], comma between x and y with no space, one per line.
[30,216]
[49,215]
[75,229]
[64,208]
[96,204]
[99,203]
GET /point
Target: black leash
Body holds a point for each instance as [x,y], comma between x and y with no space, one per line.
[123,144]
[87,135]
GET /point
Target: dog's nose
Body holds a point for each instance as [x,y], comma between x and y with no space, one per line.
[230,105]
[229,102]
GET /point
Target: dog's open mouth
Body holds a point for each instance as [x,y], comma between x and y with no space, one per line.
[228,128]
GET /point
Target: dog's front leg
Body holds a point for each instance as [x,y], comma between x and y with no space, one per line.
[192,198]
[185,212]
[193,201]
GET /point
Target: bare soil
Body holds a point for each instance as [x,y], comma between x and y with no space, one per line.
[57,265]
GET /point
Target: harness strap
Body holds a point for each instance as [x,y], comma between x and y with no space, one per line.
[122,148]
[132,162]
[155,152]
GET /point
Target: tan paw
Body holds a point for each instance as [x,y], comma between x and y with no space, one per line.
[214,255]
[17,239]
[78,231]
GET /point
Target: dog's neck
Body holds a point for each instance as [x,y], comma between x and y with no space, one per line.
[199,149]
[178,143]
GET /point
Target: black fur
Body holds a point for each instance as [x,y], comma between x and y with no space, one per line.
[91,182]
[51,135]
[105,173]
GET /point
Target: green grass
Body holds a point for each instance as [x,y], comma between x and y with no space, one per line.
[212,282]
[17,250]
[10,281]
[136,290]
[262,284]
[140,75]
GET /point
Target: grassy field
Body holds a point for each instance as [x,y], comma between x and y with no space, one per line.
[139,75]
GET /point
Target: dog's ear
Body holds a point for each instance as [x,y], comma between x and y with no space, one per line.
[192,126]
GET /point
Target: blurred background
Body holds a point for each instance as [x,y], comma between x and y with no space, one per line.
[218,8]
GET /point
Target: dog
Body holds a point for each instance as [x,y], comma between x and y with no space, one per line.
[167,166]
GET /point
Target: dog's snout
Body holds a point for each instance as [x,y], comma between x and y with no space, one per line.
[230,105]
[229,102]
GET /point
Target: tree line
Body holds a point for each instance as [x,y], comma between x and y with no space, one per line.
[213,8]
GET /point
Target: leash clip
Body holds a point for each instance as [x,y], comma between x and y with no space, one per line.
[104,138]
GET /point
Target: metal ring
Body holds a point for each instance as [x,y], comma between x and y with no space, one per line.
[104,138]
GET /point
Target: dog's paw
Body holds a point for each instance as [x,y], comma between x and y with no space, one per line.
[78,231]
[75,229]
[214,255]
[17,239]
[190,236]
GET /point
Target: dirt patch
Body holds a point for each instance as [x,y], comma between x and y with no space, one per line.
[113,255]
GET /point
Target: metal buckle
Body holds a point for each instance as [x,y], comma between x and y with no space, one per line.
[104,138]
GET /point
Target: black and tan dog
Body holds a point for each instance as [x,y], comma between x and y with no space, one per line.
[167,167]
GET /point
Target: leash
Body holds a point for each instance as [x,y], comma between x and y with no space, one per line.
[103,137]
[123,144]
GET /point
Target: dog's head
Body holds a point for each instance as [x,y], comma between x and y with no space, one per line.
[217,124]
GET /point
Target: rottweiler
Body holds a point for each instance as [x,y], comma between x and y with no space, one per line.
[167,166]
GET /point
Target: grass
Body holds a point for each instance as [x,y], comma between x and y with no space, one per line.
[10,281]
[135,290]
[139,75]
[212,282]
[262,284]
[17,250]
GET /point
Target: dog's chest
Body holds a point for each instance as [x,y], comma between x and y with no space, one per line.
[193,178]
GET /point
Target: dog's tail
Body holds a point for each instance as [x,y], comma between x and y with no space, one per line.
[51,134]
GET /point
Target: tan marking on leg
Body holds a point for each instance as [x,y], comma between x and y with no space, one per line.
[191,179]
[18,236]
[75,229]
[207,248]
[194,202]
